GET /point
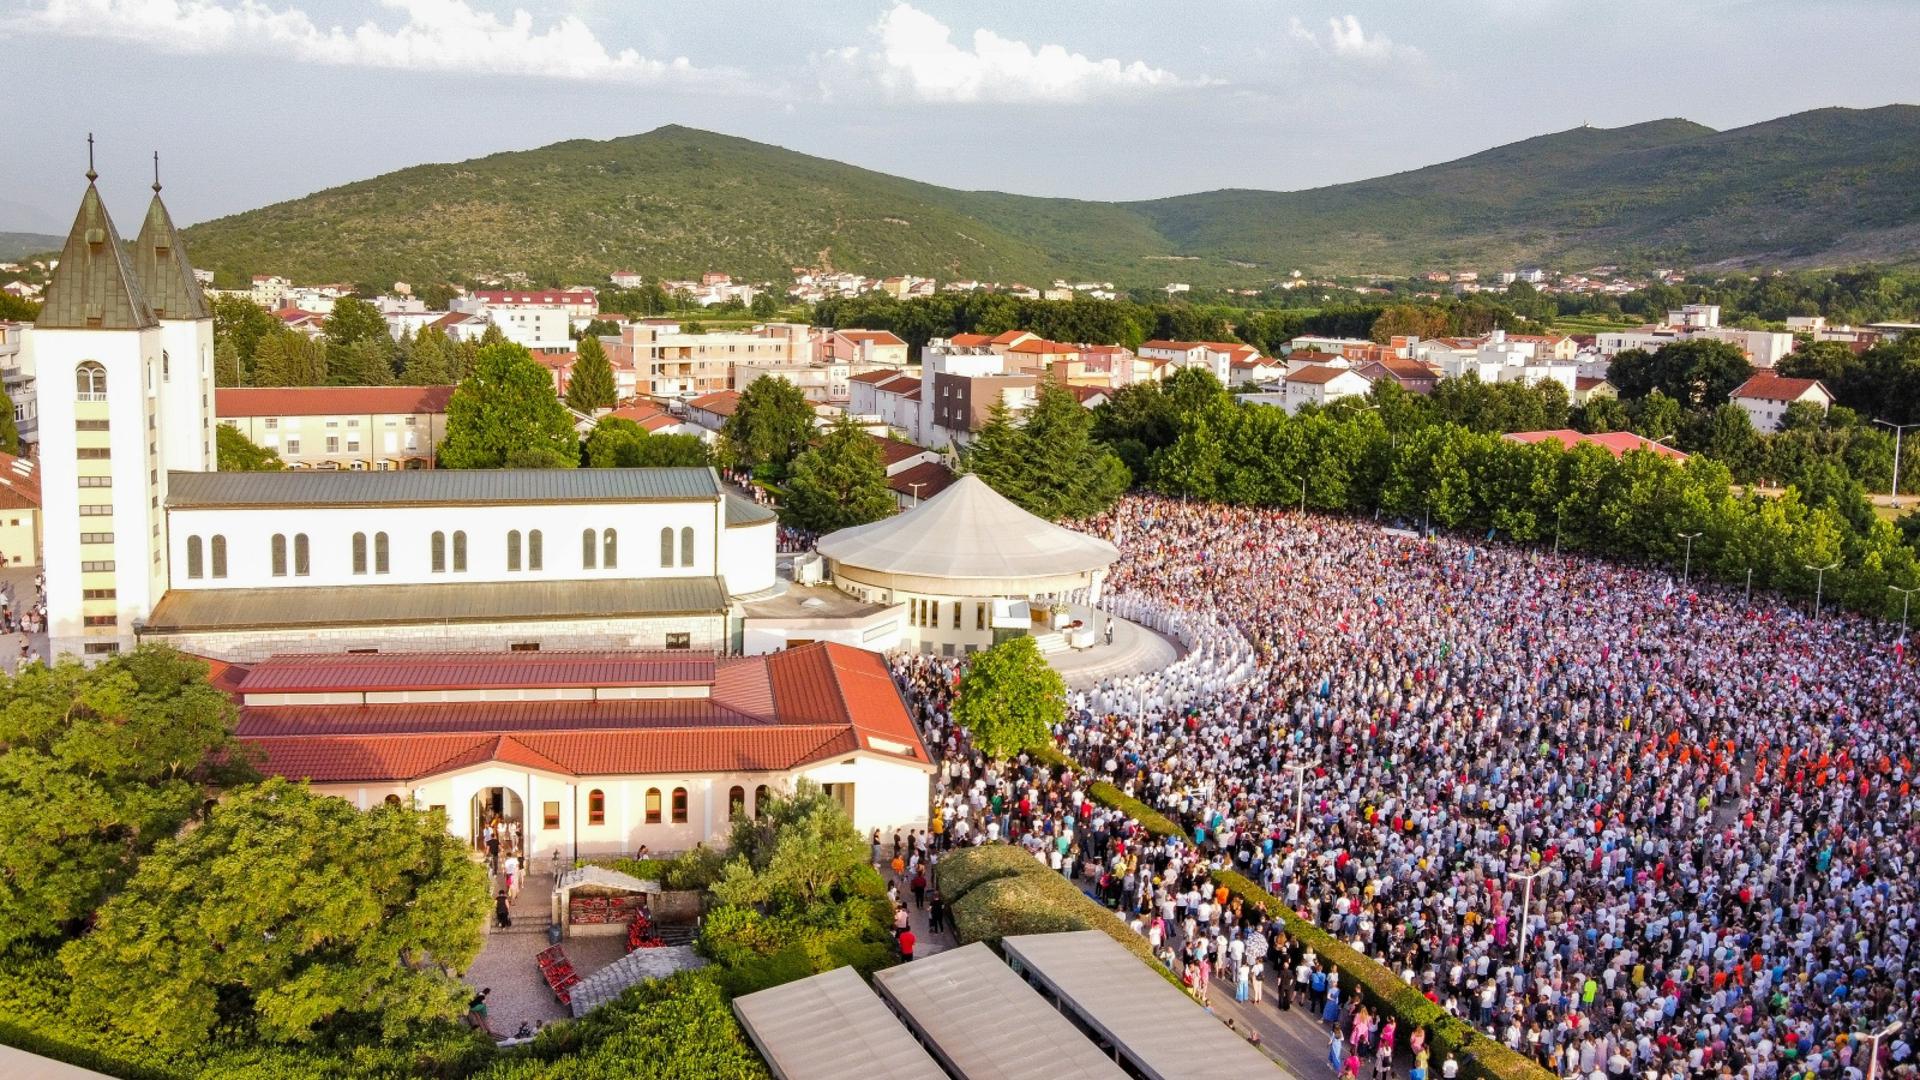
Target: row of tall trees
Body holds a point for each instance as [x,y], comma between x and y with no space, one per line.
[252,347]
[1635,506]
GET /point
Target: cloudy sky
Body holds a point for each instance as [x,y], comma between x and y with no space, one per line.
[252,101]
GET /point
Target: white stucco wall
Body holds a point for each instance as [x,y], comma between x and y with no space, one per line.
[747,557]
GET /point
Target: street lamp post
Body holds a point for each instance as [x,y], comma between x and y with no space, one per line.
[1299,794]
[1686,568]
[1906,599]
[1749,602]
[1526,906]
[1873,1063]
[1819,582]
[1558,520]
[1303,493]
[1898,430]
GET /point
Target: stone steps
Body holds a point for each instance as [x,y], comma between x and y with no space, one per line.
[1050,642]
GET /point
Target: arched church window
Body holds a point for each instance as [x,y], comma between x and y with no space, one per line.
[90,382]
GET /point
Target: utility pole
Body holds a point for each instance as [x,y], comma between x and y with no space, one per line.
[1898,430]
[1299,794]
[1749,586]
[1819,582]
[1906,599]
[1873,1063]
[1526,905]
[1303,493]
[1686,569]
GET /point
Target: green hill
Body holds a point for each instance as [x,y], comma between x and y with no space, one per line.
[1828,187]
[14,245]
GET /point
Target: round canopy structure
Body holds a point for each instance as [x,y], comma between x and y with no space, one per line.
[968,532]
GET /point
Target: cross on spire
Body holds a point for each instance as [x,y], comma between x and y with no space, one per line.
[156,172]
[91,175]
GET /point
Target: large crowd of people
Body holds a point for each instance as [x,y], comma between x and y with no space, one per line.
[1622,825]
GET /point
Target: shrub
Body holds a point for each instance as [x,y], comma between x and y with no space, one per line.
[675,1027]
[957,874]
[1021,896]
[1150,819]
[697,868]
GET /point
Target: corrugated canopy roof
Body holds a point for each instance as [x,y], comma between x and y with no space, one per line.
[829,1026]
[968,531]
[988,1024]
[1166,1033]
[187,610]
[438,487]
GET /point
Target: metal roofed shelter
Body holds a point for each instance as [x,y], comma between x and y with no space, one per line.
[1159,1031]
[186,610]
[829,1026]
[982,1022]
[971,532]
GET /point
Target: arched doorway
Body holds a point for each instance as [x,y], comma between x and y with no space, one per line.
[499,823]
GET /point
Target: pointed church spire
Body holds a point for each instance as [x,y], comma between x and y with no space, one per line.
[160,259]
[94,287]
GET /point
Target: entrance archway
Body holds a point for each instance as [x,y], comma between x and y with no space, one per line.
[501,810]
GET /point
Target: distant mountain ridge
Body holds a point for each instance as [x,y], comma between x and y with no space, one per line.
[1828,187]
[14,245]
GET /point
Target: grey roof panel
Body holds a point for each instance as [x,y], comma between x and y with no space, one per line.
[985,1023]
[189,610]
[742,512]
[94,287]
[166,277]
[1166,1034]
[438,487]
[830,1026]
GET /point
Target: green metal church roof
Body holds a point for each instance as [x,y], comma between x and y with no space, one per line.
[94,287]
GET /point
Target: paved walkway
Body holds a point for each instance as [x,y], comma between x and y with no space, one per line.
[506,962]
[1135,649]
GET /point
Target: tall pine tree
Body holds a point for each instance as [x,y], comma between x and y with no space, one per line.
[432,359]
[591,385]
[840,482]
[226,363]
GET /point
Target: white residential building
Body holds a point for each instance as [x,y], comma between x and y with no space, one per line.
[1765,397]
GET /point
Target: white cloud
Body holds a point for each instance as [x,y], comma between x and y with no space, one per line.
[436,35]
[915,57]
[1346,37]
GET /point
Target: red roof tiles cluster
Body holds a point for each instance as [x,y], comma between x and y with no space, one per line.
[1766,386]
[1616,443]
[771,713]
[330,400]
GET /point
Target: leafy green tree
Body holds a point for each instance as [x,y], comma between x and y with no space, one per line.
[838,482]
[1010,699]
[1051,465]
[97,765]
[244,323]
[18,309]
[1657,416]
[9,431]
[772,424]
[355,320]
[1698,373]
[433,360]
[227,370]
[616,443]
[661,1029]
[286,358]
[1601,415]
[1831,362]
[237,453]
[293,912]
[796,851]
[365,362]
[1733,442]
[591,385]
[765,305]
[506,415]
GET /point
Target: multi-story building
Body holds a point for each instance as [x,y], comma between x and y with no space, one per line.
[19,383]
[372,428]
[868,348]
[269,290]
[19,512]
[669,363]
[575,303]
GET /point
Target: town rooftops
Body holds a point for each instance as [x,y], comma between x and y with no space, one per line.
[923,481]
[807,704]
[329,400]
[546,297]
[720,403]
[877,377]
[1040,347]
[184,611]
[1316,374]
[439,487]
[1616,443]
[893,451]
[647,416]
[19,483]
[971,341]
[877,337]
[1767,386]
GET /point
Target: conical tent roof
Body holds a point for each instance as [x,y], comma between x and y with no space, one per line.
[165,275]
[968,531]
[94,287]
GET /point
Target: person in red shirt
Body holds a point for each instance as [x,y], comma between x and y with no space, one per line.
[906,945]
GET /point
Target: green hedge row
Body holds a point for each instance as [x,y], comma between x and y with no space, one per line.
[1481,1057]
[1003,890]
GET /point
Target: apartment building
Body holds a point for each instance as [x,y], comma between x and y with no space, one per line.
[667,362]
[358,428]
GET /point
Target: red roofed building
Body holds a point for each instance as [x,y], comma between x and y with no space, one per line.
[578,303]
[869,348]
[1616,443]
[590,753]
[361,428]
[19,511]
[1765,397]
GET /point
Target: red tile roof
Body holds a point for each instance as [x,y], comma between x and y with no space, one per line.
[1041,346]
[876,377]
[893,451]
[548,297]
[1171,346]
[329,400]
[719,403]
[646,416]
[771,713]
[19,483]
[1616,443]
[878,337]
[932,476]
[1766,386]
[970,341]
[1009,337]
[312,673]
[1316,374]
